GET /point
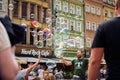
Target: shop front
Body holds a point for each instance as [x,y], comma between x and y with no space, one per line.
[29,53]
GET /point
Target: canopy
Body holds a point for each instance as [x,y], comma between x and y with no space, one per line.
[24,60]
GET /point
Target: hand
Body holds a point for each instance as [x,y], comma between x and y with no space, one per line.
[61,57]
[39,58]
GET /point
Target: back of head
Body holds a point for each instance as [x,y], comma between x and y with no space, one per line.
[36,78]
[51,76]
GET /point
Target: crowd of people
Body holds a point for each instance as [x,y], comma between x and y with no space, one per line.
[38,71]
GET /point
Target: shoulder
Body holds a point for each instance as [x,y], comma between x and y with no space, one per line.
[21,74]
[40,70]
[108,23]
[23,71]
[4,39]
[74,60]
[85,60]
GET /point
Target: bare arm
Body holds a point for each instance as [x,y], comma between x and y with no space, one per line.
[67,63]
[94,63]
[34,65]
[8,64]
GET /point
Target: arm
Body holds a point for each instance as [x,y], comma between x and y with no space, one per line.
[8,64]
[94,63]
[67,63]
[34,65]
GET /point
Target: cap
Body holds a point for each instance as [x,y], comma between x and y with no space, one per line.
[15,32]
[19,31]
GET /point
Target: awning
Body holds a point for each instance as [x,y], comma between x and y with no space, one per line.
[21,60]
[70,58]
[31,59]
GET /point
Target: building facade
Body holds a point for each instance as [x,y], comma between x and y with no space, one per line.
[96,11]
[93,17]
[3,7]
[33,14]
[73,24]
[69,18]
[108,9]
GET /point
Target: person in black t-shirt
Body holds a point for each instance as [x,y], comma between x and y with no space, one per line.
[107,42]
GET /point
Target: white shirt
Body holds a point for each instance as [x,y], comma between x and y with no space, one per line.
[40,73]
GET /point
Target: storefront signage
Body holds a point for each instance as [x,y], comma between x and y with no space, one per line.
[33,52]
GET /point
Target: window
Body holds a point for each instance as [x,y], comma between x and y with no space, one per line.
[93,9]
[87,8]
[58,4]
[82,42]
[38,35]
[72,25]
[88,25]
[98,11]
[38,13]
[31,36]
[71,42]
[88,42]
[25,36]
[24,10]
[97,25]
[78,42]
[1,4]
[78,10]
[65,23]
[65,7]
[44,14]
[58,22]
[15,11]
[61,20]
[72,9]
[112,14]
[79,27]
[93,26]
[32,11]
[106,13]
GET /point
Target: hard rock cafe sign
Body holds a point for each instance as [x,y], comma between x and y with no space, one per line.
[33,52]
